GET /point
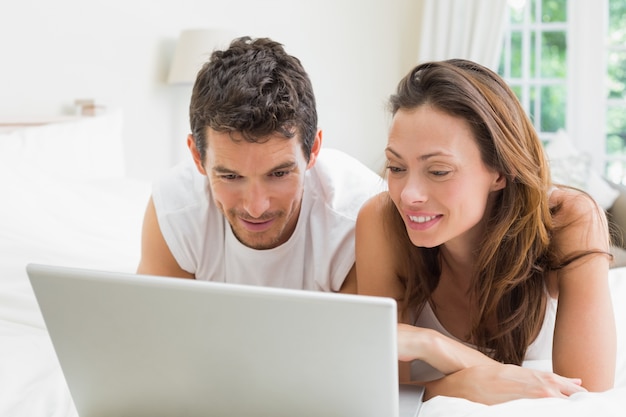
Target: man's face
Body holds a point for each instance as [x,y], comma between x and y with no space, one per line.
[258,186]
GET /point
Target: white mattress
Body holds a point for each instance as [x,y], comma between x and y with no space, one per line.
[84,214]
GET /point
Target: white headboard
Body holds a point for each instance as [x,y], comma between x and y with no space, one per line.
[68,147]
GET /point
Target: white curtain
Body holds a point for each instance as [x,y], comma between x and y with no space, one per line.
[469,29]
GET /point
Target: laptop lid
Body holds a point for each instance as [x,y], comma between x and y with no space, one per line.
[154,346]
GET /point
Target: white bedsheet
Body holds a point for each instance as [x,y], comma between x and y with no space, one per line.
[91,224]
[97,224]
[604,404]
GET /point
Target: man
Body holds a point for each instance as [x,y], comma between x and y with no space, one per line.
[261,203]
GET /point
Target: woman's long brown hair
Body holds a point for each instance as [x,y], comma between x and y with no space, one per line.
[515,253]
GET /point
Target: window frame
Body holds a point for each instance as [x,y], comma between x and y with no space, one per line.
[587,72]
[586,29]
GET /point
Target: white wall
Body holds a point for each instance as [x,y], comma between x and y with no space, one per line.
[118,52]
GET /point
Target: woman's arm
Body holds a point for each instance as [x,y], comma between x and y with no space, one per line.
[376,271]
[584,336]
[470,374]
[375,264]
[474,376]
[498,383]
[441,352]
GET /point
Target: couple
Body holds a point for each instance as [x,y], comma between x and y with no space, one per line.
[468,233]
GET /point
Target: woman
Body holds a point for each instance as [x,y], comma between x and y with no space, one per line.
[477,245]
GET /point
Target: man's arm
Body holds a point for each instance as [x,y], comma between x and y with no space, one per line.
[156,257]
[349,284]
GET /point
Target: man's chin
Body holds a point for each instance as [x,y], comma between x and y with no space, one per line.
[257,242]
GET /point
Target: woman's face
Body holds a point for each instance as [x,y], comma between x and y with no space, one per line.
[437,178]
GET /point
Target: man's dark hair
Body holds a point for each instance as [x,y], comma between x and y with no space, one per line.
[256,89]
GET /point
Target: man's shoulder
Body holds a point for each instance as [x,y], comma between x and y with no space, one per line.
[331,162]
[180,186]
[342,181]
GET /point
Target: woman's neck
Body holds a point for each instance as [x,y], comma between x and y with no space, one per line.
[451,300]
[457,266]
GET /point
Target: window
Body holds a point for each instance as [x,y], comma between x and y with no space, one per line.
[534,61]
[616,92]
[572,79]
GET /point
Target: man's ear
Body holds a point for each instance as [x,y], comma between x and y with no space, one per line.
[195,154]
[315,148]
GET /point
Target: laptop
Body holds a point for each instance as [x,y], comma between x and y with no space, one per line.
[138,345]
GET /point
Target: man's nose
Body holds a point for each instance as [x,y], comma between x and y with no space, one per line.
[256,199]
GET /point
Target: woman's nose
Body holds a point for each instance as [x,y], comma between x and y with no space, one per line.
[414,191]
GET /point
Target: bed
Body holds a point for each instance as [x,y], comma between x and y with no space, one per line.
[67,201]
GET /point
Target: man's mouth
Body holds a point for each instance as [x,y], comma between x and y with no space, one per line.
[257,225]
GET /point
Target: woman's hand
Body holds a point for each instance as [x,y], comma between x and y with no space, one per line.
[498,383]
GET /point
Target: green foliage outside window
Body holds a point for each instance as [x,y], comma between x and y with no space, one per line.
[553,55]
[617,21]
[616,86]
[547,96]
[617,74]
[553,10]
[553,106]
[538,73]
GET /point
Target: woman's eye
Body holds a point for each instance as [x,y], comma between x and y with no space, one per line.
[394,169]
[437,173]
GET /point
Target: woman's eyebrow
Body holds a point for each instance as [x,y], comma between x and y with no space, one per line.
[422,157]
[394,153]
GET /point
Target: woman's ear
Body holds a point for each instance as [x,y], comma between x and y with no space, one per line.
[499,183]
[315,148]
[195,154]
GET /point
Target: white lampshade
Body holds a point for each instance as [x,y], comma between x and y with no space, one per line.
[193,49]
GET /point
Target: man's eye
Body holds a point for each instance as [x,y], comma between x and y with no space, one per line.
[279,174]
[229,177]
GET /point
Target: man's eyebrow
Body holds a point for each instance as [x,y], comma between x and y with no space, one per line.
[220,169]
[284,166]
[223,170]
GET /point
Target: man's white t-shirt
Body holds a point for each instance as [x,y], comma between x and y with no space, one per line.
[319,254]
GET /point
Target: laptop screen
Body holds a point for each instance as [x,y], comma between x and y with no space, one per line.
[155,346]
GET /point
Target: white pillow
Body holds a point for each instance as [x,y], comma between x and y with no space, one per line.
[82,148]
[570,166]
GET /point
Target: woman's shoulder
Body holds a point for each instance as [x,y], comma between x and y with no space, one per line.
[371,220]
[375,205]
[578,220]
[573,204]
[375,247]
